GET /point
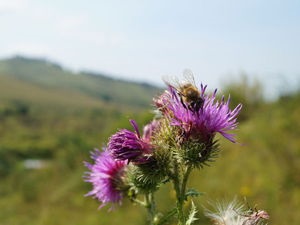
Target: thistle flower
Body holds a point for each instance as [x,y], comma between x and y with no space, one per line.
[106,176]
[234,213]
[128,145]
[213,117]
[161,102]
[227,214]
[149,130]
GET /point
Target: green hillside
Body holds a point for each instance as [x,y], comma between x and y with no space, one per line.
[50,77]
[50,119]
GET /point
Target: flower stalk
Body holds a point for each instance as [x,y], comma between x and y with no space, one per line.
[178,189]
[150,206]
[180,183]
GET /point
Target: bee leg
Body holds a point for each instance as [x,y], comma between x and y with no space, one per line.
[182,102]
[191,107]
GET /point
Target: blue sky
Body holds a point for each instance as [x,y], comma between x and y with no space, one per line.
[145,40]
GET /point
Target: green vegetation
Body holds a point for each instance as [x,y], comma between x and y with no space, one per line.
[52,79]
[51,118]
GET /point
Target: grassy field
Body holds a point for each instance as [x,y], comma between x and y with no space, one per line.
[58,126]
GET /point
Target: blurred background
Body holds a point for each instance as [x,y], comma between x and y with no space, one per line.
[73,72]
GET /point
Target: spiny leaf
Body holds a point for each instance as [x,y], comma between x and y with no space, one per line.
[192,215]
[192,193]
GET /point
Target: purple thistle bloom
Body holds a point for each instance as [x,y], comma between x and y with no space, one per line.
[162,101]
[214,116]
[150,129]
[106,177]
[128,145]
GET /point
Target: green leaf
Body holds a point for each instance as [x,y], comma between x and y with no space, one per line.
[167,217]
[192,193]
[192,215]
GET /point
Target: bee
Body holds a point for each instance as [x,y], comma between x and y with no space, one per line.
[190,95]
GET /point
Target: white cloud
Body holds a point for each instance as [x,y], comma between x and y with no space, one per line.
[72,23]
[13,6]
[80,28]
[32,49]
[102,39]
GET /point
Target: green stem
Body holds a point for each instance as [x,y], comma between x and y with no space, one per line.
[180,213]
[150,205]
[187,173]
[180,188]
[179,202]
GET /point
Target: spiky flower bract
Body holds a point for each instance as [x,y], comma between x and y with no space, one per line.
[128,145]
[145,177]
[107,177]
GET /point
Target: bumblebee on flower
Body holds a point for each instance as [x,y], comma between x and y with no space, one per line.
[195,127]
[213,117]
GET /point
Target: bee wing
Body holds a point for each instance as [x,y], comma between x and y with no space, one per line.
[171,80]
[189,76]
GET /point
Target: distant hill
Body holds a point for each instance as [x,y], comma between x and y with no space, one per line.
[42,81]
